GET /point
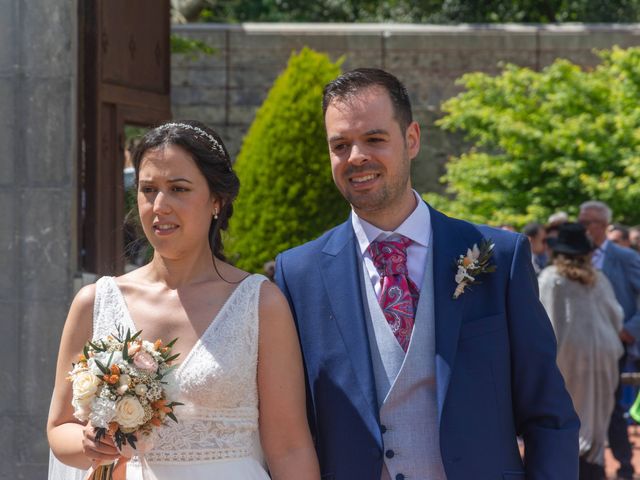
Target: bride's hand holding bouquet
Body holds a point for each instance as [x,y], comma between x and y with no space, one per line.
[122,386]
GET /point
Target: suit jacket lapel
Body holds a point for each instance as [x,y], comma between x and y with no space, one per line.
[450,240]
[340,269]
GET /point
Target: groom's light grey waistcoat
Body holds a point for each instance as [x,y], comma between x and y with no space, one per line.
[406,387]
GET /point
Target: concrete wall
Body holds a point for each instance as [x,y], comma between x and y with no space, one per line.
[37,135]
[224,90]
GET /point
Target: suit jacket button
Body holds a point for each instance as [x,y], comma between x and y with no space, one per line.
[383,429]
[399,476]
[389,453]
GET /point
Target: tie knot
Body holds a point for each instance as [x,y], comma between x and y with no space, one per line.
[390,256]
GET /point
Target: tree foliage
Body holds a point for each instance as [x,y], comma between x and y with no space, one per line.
[417,11]
[546,141]
[287,195]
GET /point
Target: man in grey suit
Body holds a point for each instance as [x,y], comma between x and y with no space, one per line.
[622,268]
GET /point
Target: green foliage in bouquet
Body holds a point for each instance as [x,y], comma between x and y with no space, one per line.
[287,195]
[546,141]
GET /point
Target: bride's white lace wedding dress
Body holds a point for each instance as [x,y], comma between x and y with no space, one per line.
[217,433]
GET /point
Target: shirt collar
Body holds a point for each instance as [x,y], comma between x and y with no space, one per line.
[416,227]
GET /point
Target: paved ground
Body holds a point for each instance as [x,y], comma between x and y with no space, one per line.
[612,465]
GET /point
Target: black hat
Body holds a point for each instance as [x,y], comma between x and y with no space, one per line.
[571,240]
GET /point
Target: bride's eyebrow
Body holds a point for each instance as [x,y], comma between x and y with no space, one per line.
[171,180]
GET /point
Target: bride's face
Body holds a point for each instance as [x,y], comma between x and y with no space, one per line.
[174,201]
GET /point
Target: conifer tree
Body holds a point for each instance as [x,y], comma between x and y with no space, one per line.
[287,195]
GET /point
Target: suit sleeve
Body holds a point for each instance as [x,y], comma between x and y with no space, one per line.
[282,284]
[632,267]
[543,410]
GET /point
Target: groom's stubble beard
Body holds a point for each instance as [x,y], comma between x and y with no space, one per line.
[387,195]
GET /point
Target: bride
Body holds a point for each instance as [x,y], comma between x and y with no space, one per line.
[240,375]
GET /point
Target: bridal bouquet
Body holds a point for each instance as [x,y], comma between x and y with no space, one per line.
[123,386]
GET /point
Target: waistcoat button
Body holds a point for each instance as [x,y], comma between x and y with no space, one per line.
[389,453]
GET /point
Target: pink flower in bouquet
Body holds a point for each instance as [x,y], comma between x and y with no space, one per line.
[145,361]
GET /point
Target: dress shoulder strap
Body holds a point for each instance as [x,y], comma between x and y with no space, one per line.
[107,310]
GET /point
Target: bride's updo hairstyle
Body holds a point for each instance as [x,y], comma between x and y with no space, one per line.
[212,159]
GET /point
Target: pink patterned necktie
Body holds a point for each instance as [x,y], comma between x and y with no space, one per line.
[399,295]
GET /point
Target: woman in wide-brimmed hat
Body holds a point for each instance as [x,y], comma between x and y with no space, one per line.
[586,319]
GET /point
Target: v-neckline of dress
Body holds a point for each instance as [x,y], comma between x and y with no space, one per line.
[212,324]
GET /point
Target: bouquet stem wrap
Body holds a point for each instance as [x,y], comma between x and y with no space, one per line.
[118,470]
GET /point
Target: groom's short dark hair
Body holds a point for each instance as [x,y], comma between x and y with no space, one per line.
[351,83]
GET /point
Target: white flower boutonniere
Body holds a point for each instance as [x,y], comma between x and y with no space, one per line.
[473,264]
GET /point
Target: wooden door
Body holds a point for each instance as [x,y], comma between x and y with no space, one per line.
[124,79]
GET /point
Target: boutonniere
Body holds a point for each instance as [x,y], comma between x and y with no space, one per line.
[473,264]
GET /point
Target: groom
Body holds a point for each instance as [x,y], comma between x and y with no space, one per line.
[404,380]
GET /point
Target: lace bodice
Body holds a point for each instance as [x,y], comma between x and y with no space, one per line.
[216,379]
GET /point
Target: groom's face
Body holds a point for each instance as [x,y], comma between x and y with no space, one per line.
[371,155]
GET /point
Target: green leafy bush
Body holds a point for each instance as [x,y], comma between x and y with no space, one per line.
[546,141]
[287,195]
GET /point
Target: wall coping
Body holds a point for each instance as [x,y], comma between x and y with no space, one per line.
[409,28]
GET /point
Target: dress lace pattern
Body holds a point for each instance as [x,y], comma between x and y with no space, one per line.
[216,380]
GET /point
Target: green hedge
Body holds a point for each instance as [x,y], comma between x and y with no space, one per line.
[287,196]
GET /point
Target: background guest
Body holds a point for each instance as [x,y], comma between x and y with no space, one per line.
[619,234]
[622,268]
[586,319]
[537,235]
[634,237]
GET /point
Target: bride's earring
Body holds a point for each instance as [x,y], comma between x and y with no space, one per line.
[215,214]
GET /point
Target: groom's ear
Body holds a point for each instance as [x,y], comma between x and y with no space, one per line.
[412,139]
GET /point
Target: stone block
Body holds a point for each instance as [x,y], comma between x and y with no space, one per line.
[190,96]
[47,35]
[8,37]
[9,278]
[39,352]
[49,120]
[242,114]
[45,243]
[247,97]
[360,58]
[208,77]
[248,41]
[471,39]
[586,38]
[8,459]
[7,129]
[211,115]
[31,445]
[31,472]
[9,379]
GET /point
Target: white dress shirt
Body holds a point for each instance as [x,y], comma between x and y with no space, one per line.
[597,259]
[417,227]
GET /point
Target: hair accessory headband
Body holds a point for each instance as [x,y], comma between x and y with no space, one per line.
[198,131]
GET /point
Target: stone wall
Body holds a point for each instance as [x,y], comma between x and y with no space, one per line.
[225,89]
[37,135]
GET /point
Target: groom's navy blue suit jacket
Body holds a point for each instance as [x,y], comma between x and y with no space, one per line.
[496,372]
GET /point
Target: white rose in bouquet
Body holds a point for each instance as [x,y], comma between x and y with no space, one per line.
[84,387]
[129,412]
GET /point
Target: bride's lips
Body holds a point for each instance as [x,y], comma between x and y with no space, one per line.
[163,229]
